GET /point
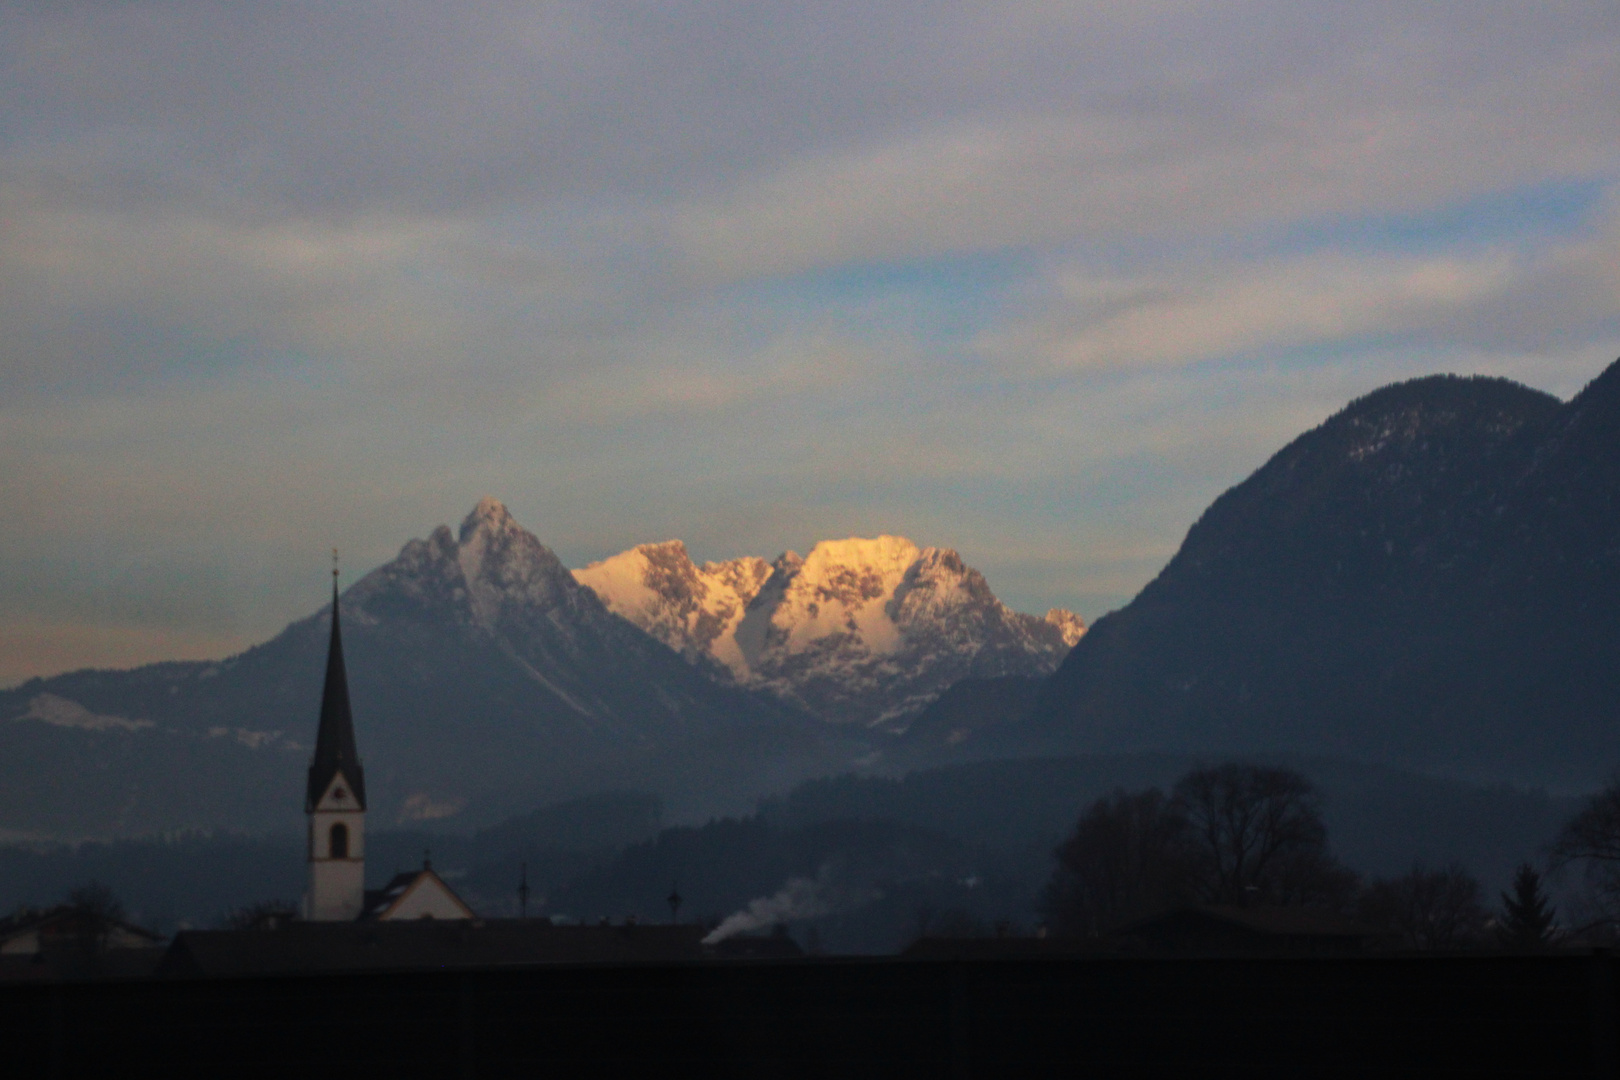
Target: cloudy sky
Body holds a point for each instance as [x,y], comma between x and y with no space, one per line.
[1036,280]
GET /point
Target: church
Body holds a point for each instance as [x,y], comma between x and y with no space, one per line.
[414,923]
[335,804]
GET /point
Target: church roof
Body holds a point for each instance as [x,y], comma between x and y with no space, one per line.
[384,903]
[334,742]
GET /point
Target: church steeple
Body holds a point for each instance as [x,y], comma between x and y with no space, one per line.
[335,799]
[335,751]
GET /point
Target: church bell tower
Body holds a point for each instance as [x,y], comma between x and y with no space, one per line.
[335,800]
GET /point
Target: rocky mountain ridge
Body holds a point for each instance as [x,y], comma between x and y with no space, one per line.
[862,630]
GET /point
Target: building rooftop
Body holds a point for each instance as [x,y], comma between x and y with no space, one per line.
[306,947]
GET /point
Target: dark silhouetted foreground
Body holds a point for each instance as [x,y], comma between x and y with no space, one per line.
[1548,1015]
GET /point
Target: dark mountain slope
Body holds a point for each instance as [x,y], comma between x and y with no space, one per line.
[956,724]
[1547,598]
[1426,578]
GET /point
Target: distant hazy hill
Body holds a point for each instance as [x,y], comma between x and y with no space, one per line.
[1430,578]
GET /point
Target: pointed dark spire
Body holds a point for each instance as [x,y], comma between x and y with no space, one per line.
[334,742]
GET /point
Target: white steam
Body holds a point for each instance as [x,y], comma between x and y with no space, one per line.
[800,898]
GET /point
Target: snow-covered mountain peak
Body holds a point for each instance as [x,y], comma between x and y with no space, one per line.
[692,609]
[863,628]
[842,588]
[489,519]
[1069,625]
[888,556]
[509,571]
[496,576]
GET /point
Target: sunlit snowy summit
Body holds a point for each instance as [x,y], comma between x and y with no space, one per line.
[863,630]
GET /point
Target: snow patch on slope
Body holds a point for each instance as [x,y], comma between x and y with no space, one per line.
[63,712]
[844,587]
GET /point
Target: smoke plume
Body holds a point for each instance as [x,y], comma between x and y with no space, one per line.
[800,898]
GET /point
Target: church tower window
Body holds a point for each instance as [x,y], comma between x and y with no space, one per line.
[340,841]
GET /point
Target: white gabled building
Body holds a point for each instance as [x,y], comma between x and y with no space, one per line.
[415,894]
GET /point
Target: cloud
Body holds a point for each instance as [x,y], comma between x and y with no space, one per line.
[1180,319]
[1032,279]
[1201,309]
[102,297]
[1371,128]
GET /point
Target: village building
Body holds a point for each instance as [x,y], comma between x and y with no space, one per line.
[416,921]
[68,941]
[415,894]
[30,931]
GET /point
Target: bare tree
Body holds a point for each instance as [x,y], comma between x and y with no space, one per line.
[1129,855]
[96,913]
[265,915]
[1591,839]
[1429,909]
[1234,834]
[1259,838]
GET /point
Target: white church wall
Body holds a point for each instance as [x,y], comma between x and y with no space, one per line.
[337,885]
[337,890]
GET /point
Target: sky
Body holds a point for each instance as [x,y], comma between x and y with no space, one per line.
[1033,280]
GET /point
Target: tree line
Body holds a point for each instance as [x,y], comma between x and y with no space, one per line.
[1233,835]
[1248,836]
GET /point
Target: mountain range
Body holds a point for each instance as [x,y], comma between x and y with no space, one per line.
[486,678]
[1429,579]
[861,631]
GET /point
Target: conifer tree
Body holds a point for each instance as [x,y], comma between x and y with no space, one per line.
[1527,915]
